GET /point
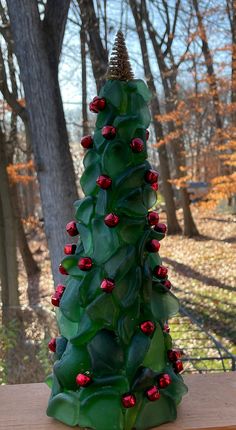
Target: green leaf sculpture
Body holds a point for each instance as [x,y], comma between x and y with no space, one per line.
[114,363]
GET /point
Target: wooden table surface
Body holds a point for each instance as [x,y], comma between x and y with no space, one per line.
[210,404]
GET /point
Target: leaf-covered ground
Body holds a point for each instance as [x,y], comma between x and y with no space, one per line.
[203,274]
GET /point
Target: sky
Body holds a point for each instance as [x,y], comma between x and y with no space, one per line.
[120,17]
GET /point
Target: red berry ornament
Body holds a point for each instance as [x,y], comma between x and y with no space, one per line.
[166,328]
[87,142]
[97,104]
[52,344]
[155,186]
[178,366]
[104,181]
[60,289]
[85,263]
[173,355]
[128,400]
[147,327]
[164,380]
[71,228]
[167,284]
[83,380]
[56,297]
[153,394]
[109,132]
[55,300]
[69,249]
[62,270]
[151,176]
[111,220]
[160,228]
[153,245]
[153,218]
[137,145]
[147,134]
[160,271]
[107,285]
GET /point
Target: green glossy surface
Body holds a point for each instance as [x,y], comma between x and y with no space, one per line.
[100,332]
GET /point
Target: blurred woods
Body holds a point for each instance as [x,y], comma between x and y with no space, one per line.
[184,49]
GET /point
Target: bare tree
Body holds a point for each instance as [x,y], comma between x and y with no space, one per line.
[38,46]
[98,53]
[209,65]
[29,262]
[8,259]
[84,81]
[168,67]
[231,11]
[173,225]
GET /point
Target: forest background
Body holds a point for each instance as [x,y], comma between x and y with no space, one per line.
[53,59]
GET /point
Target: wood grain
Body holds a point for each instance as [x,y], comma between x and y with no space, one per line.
[210,404]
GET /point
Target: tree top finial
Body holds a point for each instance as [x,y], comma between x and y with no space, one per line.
[119,66]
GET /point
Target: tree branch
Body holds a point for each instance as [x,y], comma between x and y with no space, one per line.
[8,95]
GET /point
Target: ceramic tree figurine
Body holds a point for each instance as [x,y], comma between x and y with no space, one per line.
[115,368]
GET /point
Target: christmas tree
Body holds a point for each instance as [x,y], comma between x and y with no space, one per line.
[115,368]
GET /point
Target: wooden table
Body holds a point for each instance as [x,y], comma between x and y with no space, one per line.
[210,404]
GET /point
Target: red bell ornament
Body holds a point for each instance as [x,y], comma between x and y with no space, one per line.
[151,176]
[167,284]
[153,394]
[147,327]
[155,186]
[60,289]
[153,245]
[69,249]
[111,220]
[55,300]
[97,104]
[52,344]
[107,285]
[147,134]
[87,142]
[62,270]
[164,380]
[137,145]
[85,263]
[166,328]
[71,228]
[128,400]
[83,380]
[160,228]
[173,355]
[104,182]
[109,132]
[56,297]
[160,272]
[178,366]
[153,218]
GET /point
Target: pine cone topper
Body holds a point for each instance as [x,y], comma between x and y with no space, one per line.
[119,66]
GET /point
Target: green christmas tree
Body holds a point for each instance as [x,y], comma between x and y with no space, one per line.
[115,368]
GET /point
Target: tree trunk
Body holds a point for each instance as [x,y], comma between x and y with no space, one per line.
[9,278]
[98,53]
[172,222]
[177,148]
[209,65]
[84,82]
[38,64]
[30,264]
[233,96]
[3,267]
